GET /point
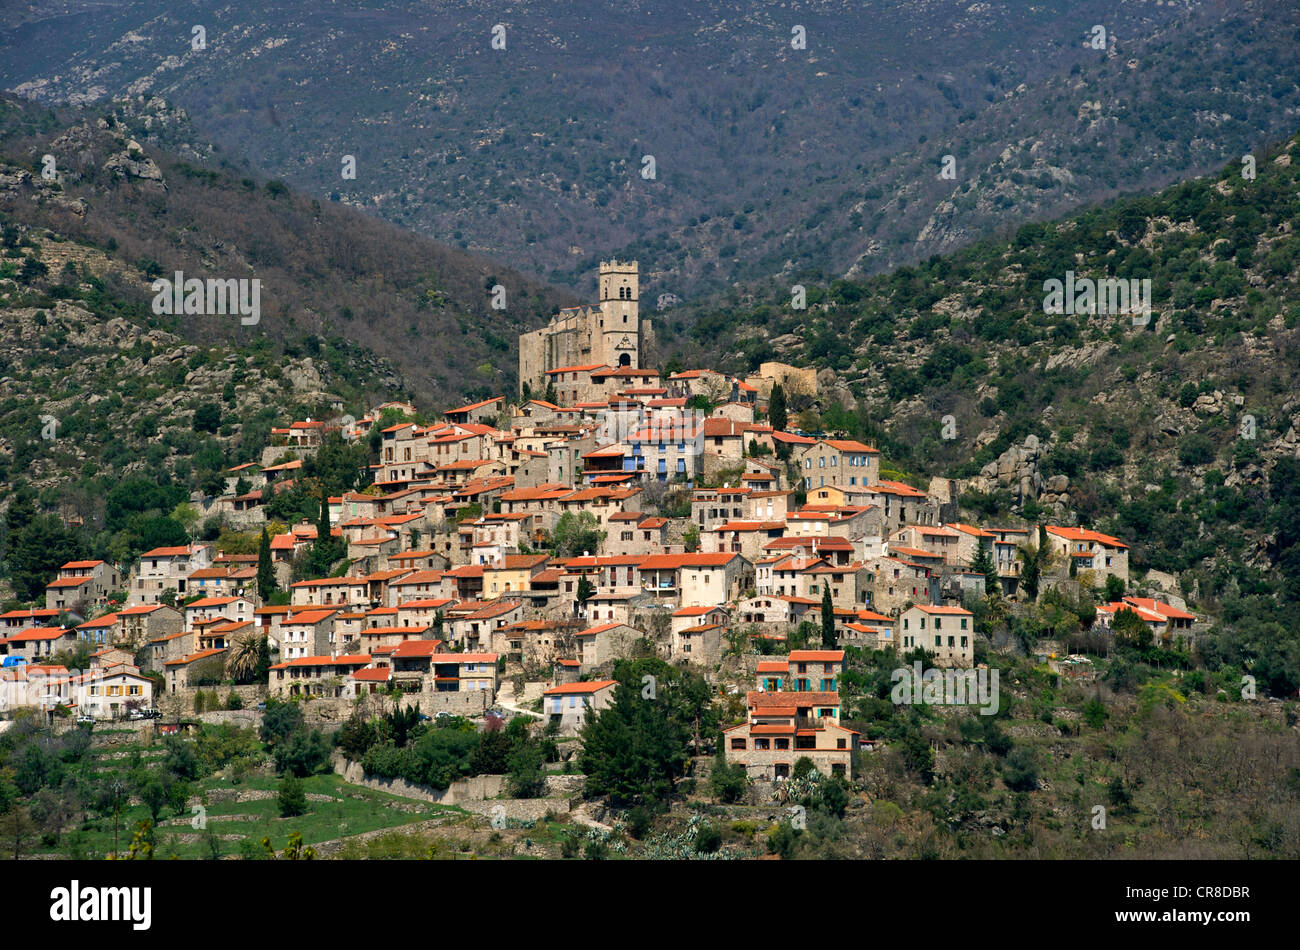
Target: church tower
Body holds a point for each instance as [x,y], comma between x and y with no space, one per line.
[618,342]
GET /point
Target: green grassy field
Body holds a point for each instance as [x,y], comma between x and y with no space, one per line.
[237,827]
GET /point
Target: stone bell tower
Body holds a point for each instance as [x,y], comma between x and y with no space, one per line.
[618,342]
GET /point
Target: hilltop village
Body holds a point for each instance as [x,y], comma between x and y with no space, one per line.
[506,553]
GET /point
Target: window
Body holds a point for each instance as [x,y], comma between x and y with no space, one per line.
[738,743]
[937,641]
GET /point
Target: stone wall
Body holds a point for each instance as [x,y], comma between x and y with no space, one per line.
[478,794]
[241,718]
[251,694]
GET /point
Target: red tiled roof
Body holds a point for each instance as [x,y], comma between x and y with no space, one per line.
[588,687]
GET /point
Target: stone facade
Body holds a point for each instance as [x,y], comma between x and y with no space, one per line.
[608,334]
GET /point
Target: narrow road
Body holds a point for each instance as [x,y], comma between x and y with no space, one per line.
[506,700]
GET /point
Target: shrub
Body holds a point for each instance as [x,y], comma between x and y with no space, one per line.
[292,798]
[708,839]
[639,821]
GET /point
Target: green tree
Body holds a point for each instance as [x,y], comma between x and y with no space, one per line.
[305,752]
[829,638]
[577,533]
[1114,588]
[983,563]
[292,798]
[207,417]
[586,590]
[279,721]
[1032,570]
[635,749]
[1130,630]
[776,411]
[36,552]
[266,584]
[525,778]
[727,780]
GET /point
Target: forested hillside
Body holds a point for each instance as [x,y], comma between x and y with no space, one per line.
[333,280]
[772,150]
[1179,435]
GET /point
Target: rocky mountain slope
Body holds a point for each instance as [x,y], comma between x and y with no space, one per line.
[774,151]
[1178,430]
[332,280]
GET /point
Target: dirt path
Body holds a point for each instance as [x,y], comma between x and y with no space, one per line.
[506,700]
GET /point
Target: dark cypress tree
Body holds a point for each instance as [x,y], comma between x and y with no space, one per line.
[829,640]
[776,413]
[266,585]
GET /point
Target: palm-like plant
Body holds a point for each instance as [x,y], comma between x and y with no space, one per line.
[244,659]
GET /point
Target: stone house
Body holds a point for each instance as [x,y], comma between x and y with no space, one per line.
[306,633]
[842,462]
[83,583]
[194,669]
[39,643]
[1091,550]
[946,632]
[567,704]
[315,675]
[167,568]
[781,727]
[605,643]
[233,609]
[701,644]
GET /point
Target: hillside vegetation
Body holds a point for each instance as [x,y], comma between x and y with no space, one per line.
[767,157]
[1179,436]
[336,284]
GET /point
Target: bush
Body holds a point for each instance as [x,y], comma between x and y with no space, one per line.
[292,798]
[708,839]
[1195,448]
[781,840]
[304,753]
[728,782]
[234,701]
[639,821]
[1021,771]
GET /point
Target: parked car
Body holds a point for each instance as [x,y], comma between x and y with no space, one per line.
[85,720]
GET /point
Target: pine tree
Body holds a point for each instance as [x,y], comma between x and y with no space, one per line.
[829,639]
[983,563]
